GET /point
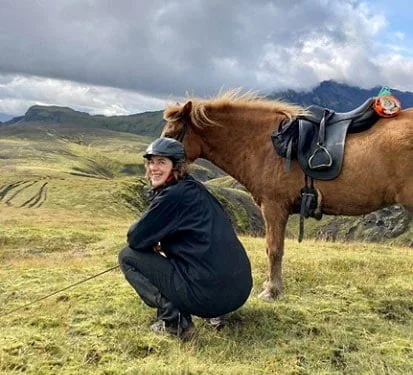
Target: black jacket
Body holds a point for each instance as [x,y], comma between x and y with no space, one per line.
[212,268]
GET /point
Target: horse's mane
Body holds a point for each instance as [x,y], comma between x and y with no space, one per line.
[231,99]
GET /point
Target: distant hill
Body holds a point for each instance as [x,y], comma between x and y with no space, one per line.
[5,117]
[338,96]
[147,123]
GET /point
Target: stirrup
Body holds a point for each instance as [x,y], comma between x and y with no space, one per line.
[320,149]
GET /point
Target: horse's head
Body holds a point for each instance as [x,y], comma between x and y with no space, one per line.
[179,125]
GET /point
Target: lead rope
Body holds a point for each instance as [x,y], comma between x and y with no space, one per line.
[61,290]
[179,325]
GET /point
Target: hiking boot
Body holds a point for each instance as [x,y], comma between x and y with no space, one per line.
[160,328]
[218,322]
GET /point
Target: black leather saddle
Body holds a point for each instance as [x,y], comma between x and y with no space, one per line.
[317,138]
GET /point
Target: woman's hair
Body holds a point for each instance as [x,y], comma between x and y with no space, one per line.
[180,169]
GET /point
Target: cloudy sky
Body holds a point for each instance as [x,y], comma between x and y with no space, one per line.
[129,56]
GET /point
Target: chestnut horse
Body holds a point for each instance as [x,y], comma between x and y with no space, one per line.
[233,131]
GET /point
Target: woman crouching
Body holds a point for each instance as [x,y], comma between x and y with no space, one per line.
[183,256]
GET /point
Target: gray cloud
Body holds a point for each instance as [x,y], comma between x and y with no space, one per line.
[166,48]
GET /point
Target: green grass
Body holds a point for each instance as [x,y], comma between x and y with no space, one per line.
[346,309]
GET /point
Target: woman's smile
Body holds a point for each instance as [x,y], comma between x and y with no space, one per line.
[160,169]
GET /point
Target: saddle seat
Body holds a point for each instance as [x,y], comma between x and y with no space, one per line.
[317,138]
[359,114]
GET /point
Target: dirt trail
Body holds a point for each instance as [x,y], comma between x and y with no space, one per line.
[37,200]
[9,187]
[9,193]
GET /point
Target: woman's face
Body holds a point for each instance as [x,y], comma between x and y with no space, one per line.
[159,168]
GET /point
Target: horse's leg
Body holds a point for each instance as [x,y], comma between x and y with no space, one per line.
[275,222]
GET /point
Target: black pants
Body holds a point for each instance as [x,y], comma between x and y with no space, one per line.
[150,274]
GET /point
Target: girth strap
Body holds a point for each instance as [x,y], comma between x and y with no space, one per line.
[309,203]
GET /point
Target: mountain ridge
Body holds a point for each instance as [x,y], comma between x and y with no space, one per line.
[5,117]
[337,96]
[146,123]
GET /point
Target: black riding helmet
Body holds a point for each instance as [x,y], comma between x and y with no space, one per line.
[168,147]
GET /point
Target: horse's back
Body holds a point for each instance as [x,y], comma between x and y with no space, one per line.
[377,168]
[395,132]
[388,142]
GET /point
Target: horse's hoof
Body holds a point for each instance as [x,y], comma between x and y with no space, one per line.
[266,296]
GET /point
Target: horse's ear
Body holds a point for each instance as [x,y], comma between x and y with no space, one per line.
[178,112]
[186,110]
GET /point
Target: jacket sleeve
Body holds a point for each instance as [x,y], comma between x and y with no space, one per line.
[161,219]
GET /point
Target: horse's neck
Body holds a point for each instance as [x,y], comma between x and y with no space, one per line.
[239,148]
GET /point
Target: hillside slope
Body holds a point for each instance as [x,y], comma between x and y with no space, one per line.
[58,166]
